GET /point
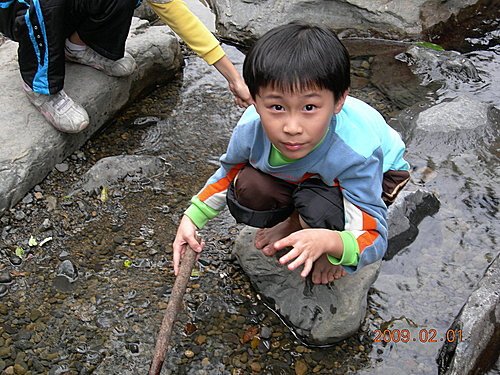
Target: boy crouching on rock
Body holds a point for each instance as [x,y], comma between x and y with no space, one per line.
[311,166]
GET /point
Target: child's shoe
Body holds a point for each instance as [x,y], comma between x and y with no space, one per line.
[119,68]
[60,110]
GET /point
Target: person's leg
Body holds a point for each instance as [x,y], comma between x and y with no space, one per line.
[40,33]
[263,201]
[321,206]
[102,28]
[392,184]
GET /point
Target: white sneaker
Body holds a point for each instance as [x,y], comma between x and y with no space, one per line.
[60,110]
[119,68]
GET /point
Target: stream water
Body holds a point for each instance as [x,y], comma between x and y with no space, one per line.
[119,241]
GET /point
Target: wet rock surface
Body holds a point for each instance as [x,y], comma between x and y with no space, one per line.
[318,314]
[473,340]
[114,169]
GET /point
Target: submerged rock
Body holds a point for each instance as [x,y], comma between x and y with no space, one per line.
[110,170]
[68,270]
[451,128]
[323,314]
[439,65]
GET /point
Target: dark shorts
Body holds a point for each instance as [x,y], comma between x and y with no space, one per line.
[261,200]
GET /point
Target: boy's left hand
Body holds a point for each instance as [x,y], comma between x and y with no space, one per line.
[307,246]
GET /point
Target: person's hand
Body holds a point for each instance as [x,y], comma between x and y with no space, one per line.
[236,83]
[186,236]
[242,96]
[307,246]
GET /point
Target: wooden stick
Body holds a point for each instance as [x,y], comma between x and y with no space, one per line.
[174,305]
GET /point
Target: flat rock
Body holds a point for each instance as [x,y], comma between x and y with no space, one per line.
[31,147]
[112,169]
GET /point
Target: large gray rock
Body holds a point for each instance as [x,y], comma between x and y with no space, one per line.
[145,12]
[31,147]
[244,21]
[449,129]
[322,314]
[317,314]
[479,325]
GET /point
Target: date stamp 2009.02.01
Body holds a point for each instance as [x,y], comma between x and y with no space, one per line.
[424,335]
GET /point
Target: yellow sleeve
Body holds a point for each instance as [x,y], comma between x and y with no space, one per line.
[178,17]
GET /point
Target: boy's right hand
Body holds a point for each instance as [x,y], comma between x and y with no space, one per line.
[186,236]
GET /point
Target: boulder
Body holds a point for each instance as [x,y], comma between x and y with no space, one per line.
[405,214]
[449,129]
[144,11]
[243,21]
[473,340]
[321,314]
[31,147]
[436,65]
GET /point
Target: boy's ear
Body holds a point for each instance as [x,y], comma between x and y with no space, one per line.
[340,102]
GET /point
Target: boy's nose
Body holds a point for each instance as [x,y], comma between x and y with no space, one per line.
[292,126]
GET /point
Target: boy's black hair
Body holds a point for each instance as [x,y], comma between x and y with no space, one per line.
[298,56]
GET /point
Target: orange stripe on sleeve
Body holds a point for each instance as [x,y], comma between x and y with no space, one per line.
[366,239]
[371,234]
[221,184]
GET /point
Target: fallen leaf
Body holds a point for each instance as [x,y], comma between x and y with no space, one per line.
[104,194]
[32,241]
[190,328]
[19,251]
[249,334]
[15,273]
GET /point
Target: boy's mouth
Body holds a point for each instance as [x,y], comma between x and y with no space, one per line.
[292,146]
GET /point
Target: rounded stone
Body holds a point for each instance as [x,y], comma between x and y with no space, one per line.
[5,278]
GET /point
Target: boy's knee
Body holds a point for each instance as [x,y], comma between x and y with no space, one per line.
[259,200]
[259,191]
[320,205]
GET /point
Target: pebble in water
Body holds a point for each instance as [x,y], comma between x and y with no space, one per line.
[5,278]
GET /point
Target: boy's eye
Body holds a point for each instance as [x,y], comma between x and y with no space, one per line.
[277,107]
[309,107]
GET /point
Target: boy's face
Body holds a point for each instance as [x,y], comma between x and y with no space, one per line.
[296,122]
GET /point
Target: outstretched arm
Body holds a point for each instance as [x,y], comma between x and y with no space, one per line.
[184,23]
[236,83]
